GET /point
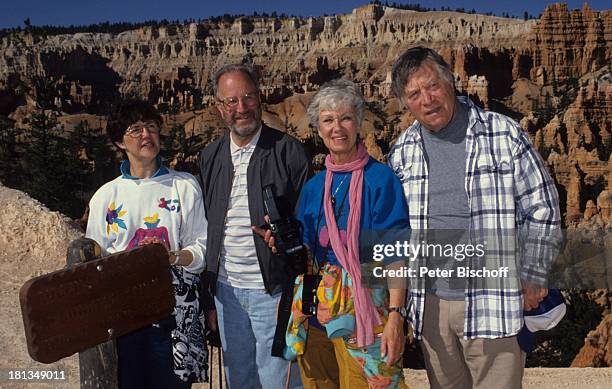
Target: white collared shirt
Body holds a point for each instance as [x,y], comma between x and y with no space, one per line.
[239,264]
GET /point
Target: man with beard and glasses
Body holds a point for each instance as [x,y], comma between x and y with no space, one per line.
[244,276]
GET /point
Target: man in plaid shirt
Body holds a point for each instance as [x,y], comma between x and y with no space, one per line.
[466,169]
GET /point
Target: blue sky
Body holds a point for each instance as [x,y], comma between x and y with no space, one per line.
[82,12]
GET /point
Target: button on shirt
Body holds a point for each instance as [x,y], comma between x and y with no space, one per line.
[239,264]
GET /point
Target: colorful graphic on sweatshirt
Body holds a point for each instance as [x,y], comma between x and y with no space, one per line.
[170,205]
[113,221]
[152,231]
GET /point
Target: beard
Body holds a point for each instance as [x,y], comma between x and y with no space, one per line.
[246,131]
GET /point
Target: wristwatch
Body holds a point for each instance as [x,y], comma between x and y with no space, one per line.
[401,310]
[177,256]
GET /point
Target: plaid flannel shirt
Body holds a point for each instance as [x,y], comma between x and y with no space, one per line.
[508,189]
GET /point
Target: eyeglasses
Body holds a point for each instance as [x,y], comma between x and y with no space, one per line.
[248,99]
[136,129]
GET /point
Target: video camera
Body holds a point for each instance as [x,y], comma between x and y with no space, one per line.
[285,229]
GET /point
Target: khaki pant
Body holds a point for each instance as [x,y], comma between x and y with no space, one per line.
[453,362]
[326,364]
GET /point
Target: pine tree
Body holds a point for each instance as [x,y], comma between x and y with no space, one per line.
[55,170]
[81,170]
[104,156]
[181,148]
[99,156]
[42,161]
[9,152]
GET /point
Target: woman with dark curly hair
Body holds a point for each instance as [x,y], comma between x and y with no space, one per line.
[150,203]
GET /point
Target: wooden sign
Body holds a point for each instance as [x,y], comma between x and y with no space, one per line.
[70,310]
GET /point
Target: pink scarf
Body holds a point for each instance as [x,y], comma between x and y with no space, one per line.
[365,312]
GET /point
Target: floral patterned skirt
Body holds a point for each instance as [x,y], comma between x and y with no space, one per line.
[336,312]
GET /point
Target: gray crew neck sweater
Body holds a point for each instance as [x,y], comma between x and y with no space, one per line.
[448,203]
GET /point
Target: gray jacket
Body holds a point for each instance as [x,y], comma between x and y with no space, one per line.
[278,159]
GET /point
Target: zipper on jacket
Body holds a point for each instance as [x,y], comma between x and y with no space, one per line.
[267,286]
[223,233]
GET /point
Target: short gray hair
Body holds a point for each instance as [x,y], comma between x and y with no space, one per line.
[242,68]
[409,62]
[335,94]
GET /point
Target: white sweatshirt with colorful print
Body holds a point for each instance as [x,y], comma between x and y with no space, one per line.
[169,206]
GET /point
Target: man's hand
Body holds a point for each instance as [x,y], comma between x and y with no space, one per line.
[393,341]
[533,295]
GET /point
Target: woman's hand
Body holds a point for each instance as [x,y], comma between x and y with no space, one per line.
[151,240]
[211,319]
[393,341]
[266,235]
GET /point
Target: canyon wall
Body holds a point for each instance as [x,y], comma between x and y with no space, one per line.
[552,74]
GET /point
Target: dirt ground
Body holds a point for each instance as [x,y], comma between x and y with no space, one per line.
[540,378]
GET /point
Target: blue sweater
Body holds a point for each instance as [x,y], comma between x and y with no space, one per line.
[383,206]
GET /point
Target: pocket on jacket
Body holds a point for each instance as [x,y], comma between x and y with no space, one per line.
[493,183]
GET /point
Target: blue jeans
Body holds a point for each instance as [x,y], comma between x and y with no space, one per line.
[247,320]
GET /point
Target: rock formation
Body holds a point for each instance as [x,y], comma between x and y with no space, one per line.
[597,349]
[172,64]
[34,243]
[554,71]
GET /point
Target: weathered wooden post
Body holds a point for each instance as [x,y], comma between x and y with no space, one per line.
[97,365]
